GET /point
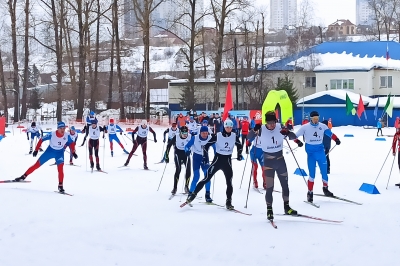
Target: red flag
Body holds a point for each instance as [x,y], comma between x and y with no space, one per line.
[228,101]
[360,108]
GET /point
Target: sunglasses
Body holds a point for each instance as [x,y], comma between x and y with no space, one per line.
[271,122]
[184,133]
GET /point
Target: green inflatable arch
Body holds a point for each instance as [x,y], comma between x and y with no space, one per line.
[273,98]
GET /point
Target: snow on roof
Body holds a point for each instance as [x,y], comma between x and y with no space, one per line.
[165,77]
[223,80]
[383,100]
[334,61]
[340,94]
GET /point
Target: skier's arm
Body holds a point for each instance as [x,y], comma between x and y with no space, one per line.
[154,134]
[210,142]
[189,144]
[329,133]
[120,129]
[47,137]
[165,133]
[300,132]
[394,144]
[27,134]
[239,146]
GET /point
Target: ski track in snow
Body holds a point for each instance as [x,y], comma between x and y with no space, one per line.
[121,218]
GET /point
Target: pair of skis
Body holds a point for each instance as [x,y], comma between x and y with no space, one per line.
[140,168]
[28,181]
[212,203]
[303,216]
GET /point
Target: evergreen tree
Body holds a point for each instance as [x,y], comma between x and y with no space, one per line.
[35,98]
[188,100]
[286,84]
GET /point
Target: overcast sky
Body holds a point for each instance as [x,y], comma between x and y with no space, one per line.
[328,11]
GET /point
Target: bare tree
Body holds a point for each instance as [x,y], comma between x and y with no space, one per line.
[3,87]
[12,9]
[221,11]
[384,15]
[118,59]
[111,76]
[143,10]
[26,60]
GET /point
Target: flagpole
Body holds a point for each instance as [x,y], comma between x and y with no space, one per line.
[387,78]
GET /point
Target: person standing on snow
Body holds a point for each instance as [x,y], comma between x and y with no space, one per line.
[272,136]
[225,142]
[245,132]
[396,140]
[192,126]
[141,139]
[313,133]
[112,136]
[198,142]
[379,126]
[36,132]
[59,139]
[172,131]
[181,157]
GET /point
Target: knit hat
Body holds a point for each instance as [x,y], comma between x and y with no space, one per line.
[314,113]
[72,128]
[228,123]
[33,124]
[203,129]
[112,121]
[270,116]
[60,124]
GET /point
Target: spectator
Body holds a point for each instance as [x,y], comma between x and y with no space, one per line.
[253,122]
[329,123]
[211,121]
[217,123]
[379,126]
[181,120]
[305,120]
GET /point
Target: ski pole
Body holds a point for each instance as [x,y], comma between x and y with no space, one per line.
[244,169]
[394,157]
[162,153]
[305,182]
[162,176]
[86,148]
[383,165]
[104,150]
[215,176]
[330,150]
[183,184]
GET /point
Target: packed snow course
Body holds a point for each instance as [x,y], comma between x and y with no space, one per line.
[120,218]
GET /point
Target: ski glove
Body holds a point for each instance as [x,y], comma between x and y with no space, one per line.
[247,151]
[299,143]
[27,138]
[257,127]
[285,131]
[155,140]
[35,153]
[239,157]
[337,141]
[75,155]
[166,158]
[163,140]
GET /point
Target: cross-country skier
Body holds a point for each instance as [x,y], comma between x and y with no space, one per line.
[272,136]
[225,142]
[94,135]
[74,137]
[197,144]
[59,139]
[112,136]
[181,157]
[192,126]
[314,133]
[141,139]
[256,154]
[172,131]
[396,140]
[35,131]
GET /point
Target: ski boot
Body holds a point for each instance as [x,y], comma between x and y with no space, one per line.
[30,152]
[92,165]
[270,213]
[61,189]
[191,198]
[288,210]
[126,151]
[173,192]
[71,163]
[126,163]
[98,167]
[229,205]
[112,153]
[145,167]
[255,183]
[310,196]
[208,198]
[327,192]
[21,178]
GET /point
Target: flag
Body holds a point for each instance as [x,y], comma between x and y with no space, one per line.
[376,109]
[389,110]
[387,51]
[360,108]
[387,103]
[228,101]
[349,106]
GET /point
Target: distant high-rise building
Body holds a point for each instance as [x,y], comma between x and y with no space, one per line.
[364,13]
[163,18]
[283,14]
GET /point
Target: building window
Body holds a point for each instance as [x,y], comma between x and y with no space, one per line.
[384,83]
[337,84]
[311,82]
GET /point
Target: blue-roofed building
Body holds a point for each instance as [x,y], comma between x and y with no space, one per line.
[361,67]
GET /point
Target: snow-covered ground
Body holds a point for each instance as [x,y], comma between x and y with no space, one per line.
[120,218]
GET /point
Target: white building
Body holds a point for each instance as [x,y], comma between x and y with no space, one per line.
[283,13]
[364,13]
